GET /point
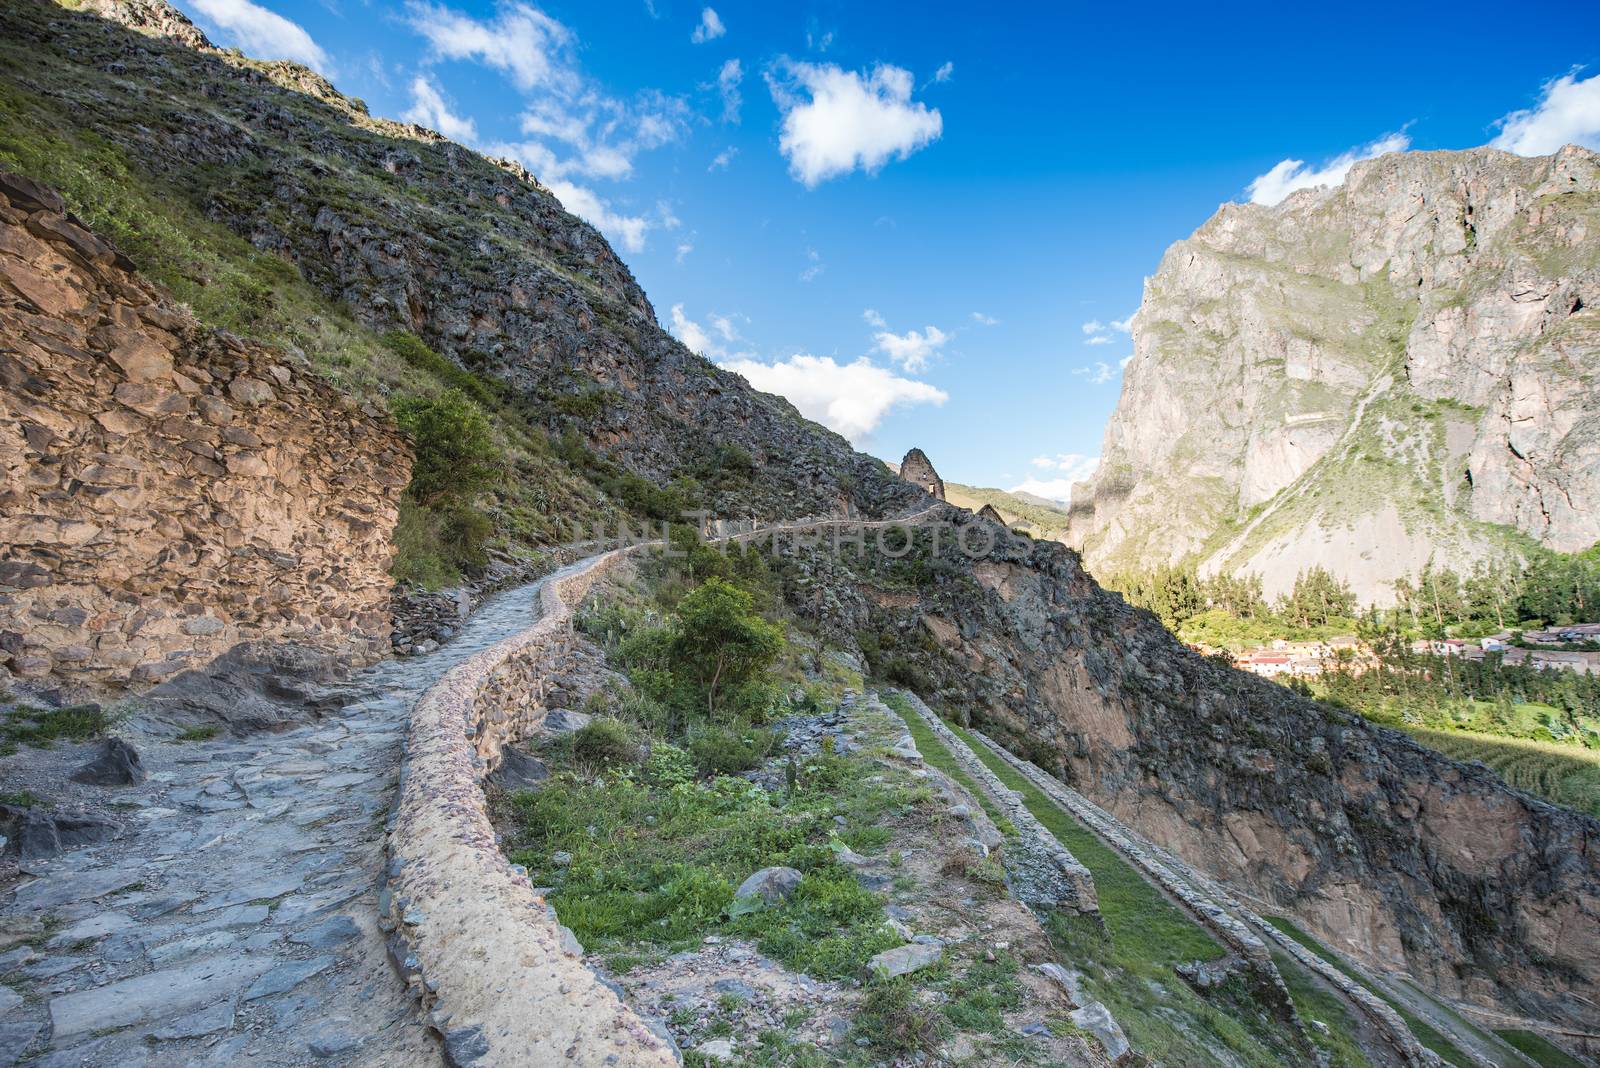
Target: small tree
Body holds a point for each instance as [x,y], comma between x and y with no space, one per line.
[456,455]
[721,641]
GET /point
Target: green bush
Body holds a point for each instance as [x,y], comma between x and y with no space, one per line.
[720,750]
[721,641]
[456,460]
[604,743]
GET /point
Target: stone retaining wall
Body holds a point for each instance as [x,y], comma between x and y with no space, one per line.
[167,491]
[503,983]
[1080,893]
[1216,909]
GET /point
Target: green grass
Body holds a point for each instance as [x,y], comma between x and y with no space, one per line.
[1542,1050]
[1138,916]
[1425,1033]
[937,755]
[198,734]
[23,799]
[42,728]
[657,862]
[1314,1001]
[1563,774]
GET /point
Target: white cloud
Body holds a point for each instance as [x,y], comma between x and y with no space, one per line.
[814,265]
[711,340]
[574,131]
[1123,326]
[984,320]
[851,398]
[691,333]
[709,29]
[836,121]
[1093,326]
[684,248]
[430,109]
[944,73]
[1098,373]
[1098,339]
[911,350]
[1292,174]
[532,48]
[728,79]
[1099,333]
[1568,113]
[1123,363]
[721,160]
[1069,467]
[264,33]
[586,204]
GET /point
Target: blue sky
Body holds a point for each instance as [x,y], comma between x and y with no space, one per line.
[909,218]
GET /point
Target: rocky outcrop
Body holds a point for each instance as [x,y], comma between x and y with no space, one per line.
[918,470]
[1396,368]
[169,491]
[1387,850]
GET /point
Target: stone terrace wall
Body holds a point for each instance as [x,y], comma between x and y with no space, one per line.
[165,490]
[502,981]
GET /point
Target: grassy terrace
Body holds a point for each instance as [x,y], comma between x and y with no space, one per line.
[1131,971]
[1425,1032]
[935,753]
[1540,1049]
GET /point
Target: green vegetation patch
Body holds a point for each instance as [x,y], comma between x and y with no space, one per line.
[936,754]
[1425,1033]
[1544,1052]
[43,727]
[1560,773]
[656,855]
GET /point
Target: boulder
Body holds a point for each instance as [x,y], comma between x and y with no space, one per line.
[518,771]
[565,721]
[1096,1019]
[903,960]
[115,764]
[1069,982]
[43,834]
[769,886]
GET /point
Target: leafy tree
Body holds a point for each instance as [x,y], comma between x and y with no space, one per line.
[1317,598]
[721,640]
[456,456]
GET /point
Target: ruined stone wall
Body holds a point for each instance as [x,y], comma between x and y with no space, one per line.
[165,490]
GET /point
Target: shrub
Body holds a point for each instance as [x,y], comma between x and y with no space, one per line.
[668,765]
[720,750]
[456,458]
[604,743]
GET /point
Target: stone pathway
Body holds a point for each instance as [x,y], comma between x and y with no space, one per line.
[234,920]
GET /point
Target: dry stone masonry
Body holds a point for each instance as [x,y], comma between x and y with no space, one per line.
[167,491]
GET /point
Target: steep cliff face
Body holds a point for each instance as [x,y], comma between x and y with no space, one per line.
[1403,367]
[1382,847]
[413,232]
[167,491]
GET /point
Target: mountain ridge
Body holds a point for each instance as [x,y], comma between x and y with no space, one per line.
[1402,368]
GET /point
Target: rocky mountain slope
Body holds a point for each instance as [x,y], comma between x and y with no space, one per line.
[1398,368]
[400,230]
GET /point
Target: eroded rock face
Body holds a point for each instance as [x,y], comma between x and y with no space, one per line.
[1382,847]
[1379,365]
[918,470]
[168,491]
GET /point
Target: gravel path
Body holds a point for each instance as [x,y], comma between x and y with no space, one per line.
[234,920]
